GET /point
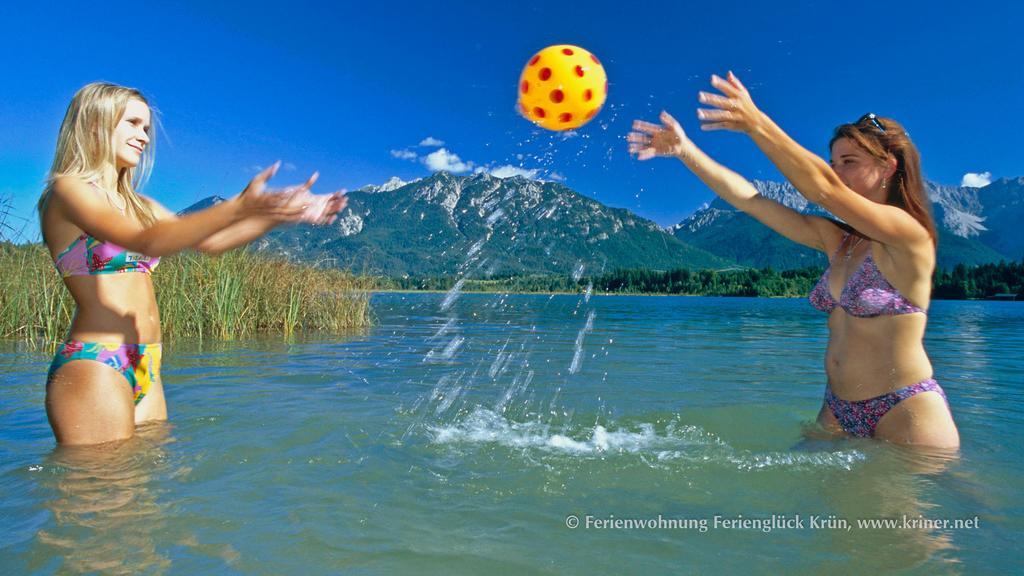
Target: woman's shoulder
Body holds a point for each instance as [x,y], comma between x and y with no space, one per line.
[63,194]
[919,256]
[832,233]
[70,188]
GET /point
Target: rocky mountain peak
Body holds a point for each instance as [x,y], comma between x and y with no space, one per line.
[393,183]
[444,223]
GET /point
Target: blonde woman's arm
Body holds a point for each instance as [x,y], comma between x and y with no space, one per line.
[316,210]
[79,204]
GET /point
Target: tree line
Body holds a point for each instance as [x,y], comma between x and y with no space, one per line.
[1002,280]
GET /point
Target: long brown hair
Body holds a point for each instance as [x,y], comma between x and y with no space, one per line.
[884,138]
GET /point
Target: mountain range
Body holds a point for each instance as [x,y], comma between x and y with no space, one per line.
[485,226]
[976,226]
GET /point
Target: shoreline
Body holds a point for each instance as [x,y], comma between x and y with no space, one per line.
[401,291]
[541,293]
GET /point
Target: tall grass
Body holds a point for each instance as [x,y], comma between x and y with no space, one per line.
[237,295]
[241,294]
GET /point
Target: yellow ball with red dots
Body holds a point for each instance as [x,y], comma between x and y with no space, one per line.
[562,87]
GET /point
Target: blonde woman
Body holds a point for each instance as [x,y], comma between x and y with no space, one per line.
[106,239]
[878,285]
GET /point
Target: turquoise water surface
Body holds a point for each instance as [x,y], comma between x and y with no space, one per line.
[468,434]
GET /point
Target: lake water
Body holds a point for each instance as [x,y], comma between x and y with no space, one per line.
[467,435]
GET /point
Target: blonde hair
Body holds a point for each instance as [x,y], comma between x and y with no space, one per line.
[85,145]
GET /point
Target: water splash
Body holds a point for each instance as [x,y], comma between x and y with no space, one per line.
[501,362]
[495,216]
[475,248]
[453,294]
[577,273]
[444,329]
[448,388]
[577,357]
[519,384]
[657,445]
[447,353]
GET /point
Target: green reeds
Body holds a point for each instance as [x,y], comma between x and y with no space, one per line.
[237,295]
[240,294]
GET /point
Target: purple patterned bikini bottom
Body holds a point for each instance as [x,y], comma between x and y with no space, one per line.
[859,417]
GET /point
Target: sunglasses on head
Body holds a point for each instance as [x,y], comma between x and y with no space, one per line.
[871,117]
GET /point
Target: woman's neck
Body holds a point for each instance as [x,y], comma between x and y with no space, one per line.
[108,180]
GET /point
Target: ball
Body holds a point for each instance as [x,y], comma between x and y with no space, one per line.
[562,87]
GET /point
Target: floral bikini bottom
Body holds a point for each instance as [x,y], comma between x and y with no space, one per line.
[138,363]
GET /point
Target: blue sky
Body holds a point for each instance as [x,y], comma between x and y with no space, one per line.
[347,88]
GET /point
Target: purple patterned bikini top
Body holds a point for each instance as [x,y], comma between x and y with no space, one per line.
[867,293]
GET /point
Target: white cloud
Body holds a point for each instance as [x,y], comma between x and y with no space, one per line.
[288,167]
[977,180]
[556,177]
[404,154]
[442,159]
[448,161]
[508,171]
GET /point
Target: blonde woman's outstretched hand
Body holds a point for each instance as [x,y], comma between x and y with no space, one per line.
[648,140]
[732,109]
[257,201]
[319,209]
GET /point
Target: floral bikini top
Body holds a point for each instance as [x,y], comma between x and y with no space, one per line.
[867,293]
[88,256]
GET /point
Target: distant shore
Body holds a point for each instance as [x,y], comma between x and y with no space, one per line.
[1015,298]
[1003,281]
